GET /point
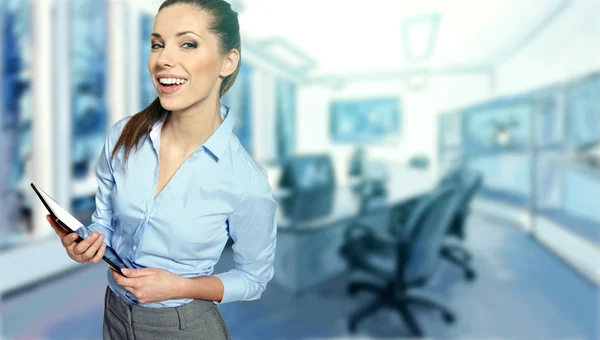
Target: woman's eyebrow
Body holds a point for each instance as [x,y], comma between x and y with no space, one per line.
[156,35]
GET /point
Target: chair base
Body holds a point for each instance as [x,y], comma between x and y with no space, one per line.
[460,257]
[387,298]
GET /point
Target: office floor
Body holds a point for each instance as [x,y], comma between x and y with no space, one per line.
[522,292]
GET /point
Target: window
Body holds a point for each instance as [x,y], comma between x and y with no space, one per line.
[146,85]
[239,101]
[15,114]
[16,98]
[285,119]
[583,110]
[88,81]
[498,127]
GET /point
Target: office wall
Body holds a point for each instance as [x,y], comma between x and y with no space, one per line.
[418,121]
[569,46]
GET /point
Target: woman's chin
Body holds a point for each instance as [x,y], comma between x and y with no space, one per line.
[171,104]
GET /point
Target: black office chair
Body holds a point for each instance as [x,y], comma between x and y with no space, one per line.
[404,263]
[467,182]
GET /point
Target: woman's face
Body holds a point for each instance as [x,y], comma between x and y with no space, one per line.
[185,62]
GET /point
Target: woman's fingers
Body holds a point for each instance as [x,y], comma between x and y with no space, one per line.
[69,239]
[81,248]
[93,249]
[99,254]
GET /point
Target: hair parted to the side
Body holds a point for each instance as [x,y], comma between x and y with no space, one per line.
[225,26]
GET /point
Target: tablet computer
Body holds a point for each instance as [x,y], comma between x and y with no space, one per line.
[70,224]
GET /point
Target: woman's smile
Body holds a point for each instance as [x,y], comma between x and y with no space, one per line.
[168,84]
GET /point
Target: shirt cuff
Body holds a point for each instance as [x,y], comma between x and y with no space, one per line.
[86,231]
[234,286]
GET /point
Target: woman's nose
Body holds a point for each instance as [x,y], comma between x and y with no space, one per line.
[165,60]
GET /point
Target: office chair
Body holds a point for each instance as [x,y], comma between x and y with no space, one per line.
[468,182]
[403,263]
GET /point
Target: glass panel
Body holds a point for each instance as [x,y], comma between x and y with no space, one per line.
[239,101]
[550,127]
[15,113]
[583,111]
[88,49]
[146,84]
[285,119]
[507,176]
[548,180]
[498,127]
[365,120]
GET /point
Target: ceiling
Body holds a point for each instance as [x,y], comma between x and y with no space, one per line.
[348,37]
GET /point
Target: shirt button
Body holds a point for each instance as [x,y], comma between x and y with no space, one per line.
[134,247]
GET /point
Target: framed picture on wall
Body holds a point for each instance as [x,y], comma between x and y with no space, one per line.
[369,120]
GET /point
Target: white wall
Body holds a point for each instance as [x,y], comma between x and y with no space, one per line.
[567,48]
[418,121]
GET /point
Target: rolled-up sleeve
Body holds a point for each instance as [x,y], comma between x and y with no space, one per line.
[102,216]
[253,229]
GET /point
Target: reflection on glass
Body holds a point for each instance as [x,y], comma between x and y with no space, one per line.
[239,101]
[146,84]
[365,120]
[285,115]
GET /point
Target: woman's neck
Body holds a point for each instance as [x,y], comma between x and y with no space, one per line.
[188,129]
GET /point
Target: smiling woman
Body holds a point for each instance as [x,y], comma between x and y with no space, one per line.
[175,183]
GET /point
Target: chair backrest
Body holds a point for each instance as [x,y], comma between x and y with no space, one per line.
[467,182]
[472,181]
[428,226]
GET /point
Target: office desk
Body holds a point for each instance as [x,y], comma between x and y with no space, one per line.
[307,249]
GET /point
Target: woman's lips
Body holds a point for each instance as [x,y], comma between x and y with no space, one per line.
[168,89]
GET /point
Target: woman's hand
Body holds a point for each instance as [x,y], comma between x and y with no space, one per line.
[150,284]
[91,249]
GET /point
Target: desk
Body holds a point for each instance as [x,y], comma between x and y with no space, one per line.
[307,250]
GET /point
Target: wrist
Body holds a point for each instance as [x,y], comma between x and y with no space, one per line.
[182,288]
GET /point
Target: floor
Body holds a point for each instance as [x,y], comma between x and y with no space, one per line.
[522,292]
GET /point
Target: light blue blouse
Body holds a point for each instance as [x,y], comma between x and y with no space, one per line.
[220,191]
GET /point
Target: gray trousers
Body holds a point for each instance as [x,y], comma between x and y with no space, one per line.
[198,319]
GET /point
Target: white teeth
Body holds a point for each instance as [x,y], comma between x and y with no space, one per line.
[167,81]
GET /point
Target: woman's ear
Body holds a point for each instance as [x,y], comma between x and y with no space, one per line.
[230,63]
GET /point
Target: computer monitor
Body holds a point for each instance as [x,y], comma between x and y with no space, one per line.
[308,173]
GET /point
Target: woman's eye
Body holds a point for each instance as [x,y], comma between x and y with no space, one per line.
[190,45]
[156,45]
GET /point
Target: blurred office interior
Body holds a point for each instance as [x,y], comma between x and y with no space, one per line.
[436,163]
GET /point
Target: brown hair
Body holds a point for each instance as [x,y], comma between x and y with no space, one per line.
[225,26]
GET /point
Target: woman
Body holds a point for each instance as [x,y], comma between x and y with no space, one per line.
[175,183]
